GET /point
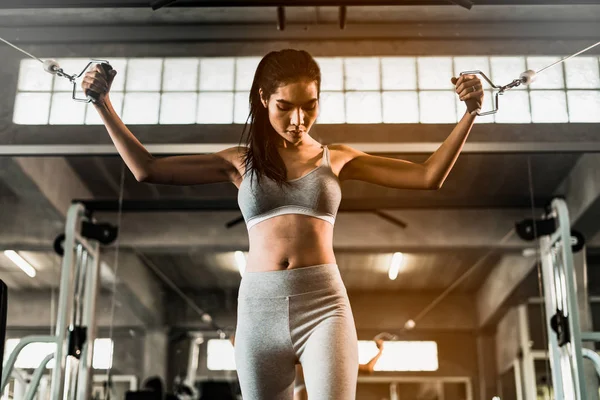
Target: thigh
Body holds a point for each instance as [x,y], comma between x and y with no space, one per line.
[330,359]
[265,360]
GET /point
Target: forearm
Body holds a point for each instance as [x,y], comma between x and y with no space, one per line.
[370,366]
[440,163]
[135,155]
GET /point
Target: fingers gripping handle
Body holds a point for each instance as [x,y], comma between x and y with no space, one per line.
[90,94]
[472,107]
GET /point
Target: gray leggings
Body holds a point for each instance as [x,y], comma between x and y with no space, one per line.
[298,315]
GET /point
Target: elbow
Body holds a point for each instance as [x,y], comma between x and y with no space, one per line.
[433,184]
[143,175]
[436,185]
[432,180]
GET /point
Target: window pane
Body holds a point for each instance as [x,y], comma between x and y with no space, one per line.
[178,108]
[464,64]
[144,75]
[551,78]
[548,106]
[181,74]
[220,355]
[103,350]
[437,107]
[332,73]
[506,69]
[435,72]
[363,107]
[33,354]
[400,107]
[513,108]
[399,73]
[584,105]
[331,108]
[215,108]
[245,69]
[66,111]
[582,73]
[241,107]
[141,108]
[401,355]
[32,108]
[362,73]
[488,105]
[93,118]
[32,77]
[216,74]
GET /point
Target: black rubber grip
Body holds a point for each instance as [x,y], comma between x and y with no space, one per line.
[90,94]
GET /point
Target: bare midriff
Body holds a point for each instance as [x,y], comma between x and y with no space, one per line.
[290,241]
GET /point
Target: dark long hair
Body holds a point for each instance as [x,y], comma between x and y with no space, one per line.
[276,69]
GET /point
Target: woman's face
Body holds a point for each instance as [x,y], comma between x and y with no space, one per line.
[293,109]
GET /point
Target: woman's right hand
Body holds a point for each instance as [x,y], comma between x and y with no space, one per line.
[96,80]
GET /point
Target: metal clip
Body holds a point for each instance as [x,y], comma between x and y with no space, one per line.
[73,78]
[501,89]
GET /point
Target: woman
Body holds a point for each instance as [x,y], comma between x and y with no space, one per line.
[292,304]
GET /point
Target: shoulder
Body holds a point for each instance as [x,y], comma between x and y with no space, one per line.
[235,157]
[344,152]
[341,156]
[233,152]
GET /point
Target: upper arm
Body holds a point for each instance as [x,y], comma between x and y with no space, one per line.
[384,171]
[196,169]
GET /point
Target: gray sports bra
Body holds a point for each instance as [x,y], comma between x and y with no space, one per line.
[316,194]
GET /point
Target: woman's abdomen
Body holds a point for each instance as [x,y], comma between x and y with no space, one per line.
[290,241]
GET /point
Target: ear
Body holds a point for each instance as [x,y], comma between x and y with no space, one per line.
[262,100]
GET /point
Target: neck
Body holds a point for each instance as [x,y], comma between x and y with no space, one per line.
[304,144]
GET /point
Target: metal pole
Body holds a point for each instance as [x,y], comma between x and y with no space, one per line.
[65,301]
[88,320]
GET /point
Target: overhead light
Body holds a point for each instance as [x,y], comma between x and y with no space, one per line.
[206,318]
[529,252]
[395,265]
[410,324]
[240,259]
[20,262]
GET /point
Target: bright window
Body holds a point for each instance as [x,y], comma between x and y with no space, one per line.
[397,355]
[220,355]
[33,354]
[354,90]
[400,355]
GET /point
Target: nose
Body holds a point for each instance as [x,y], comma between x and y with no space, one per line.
[297,117]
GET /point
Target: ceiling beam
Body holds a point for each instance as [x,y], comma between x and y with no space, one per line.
[269,3]
[38,140]
[211,32]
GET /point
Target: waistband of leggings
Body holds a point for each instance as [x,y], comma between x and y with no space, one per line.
[291,281]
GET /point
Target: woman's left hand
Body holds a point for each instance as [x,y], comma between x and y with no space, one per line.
[469,87]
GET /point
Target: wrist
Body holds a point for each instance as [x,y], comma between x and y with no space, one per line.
[105,106]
